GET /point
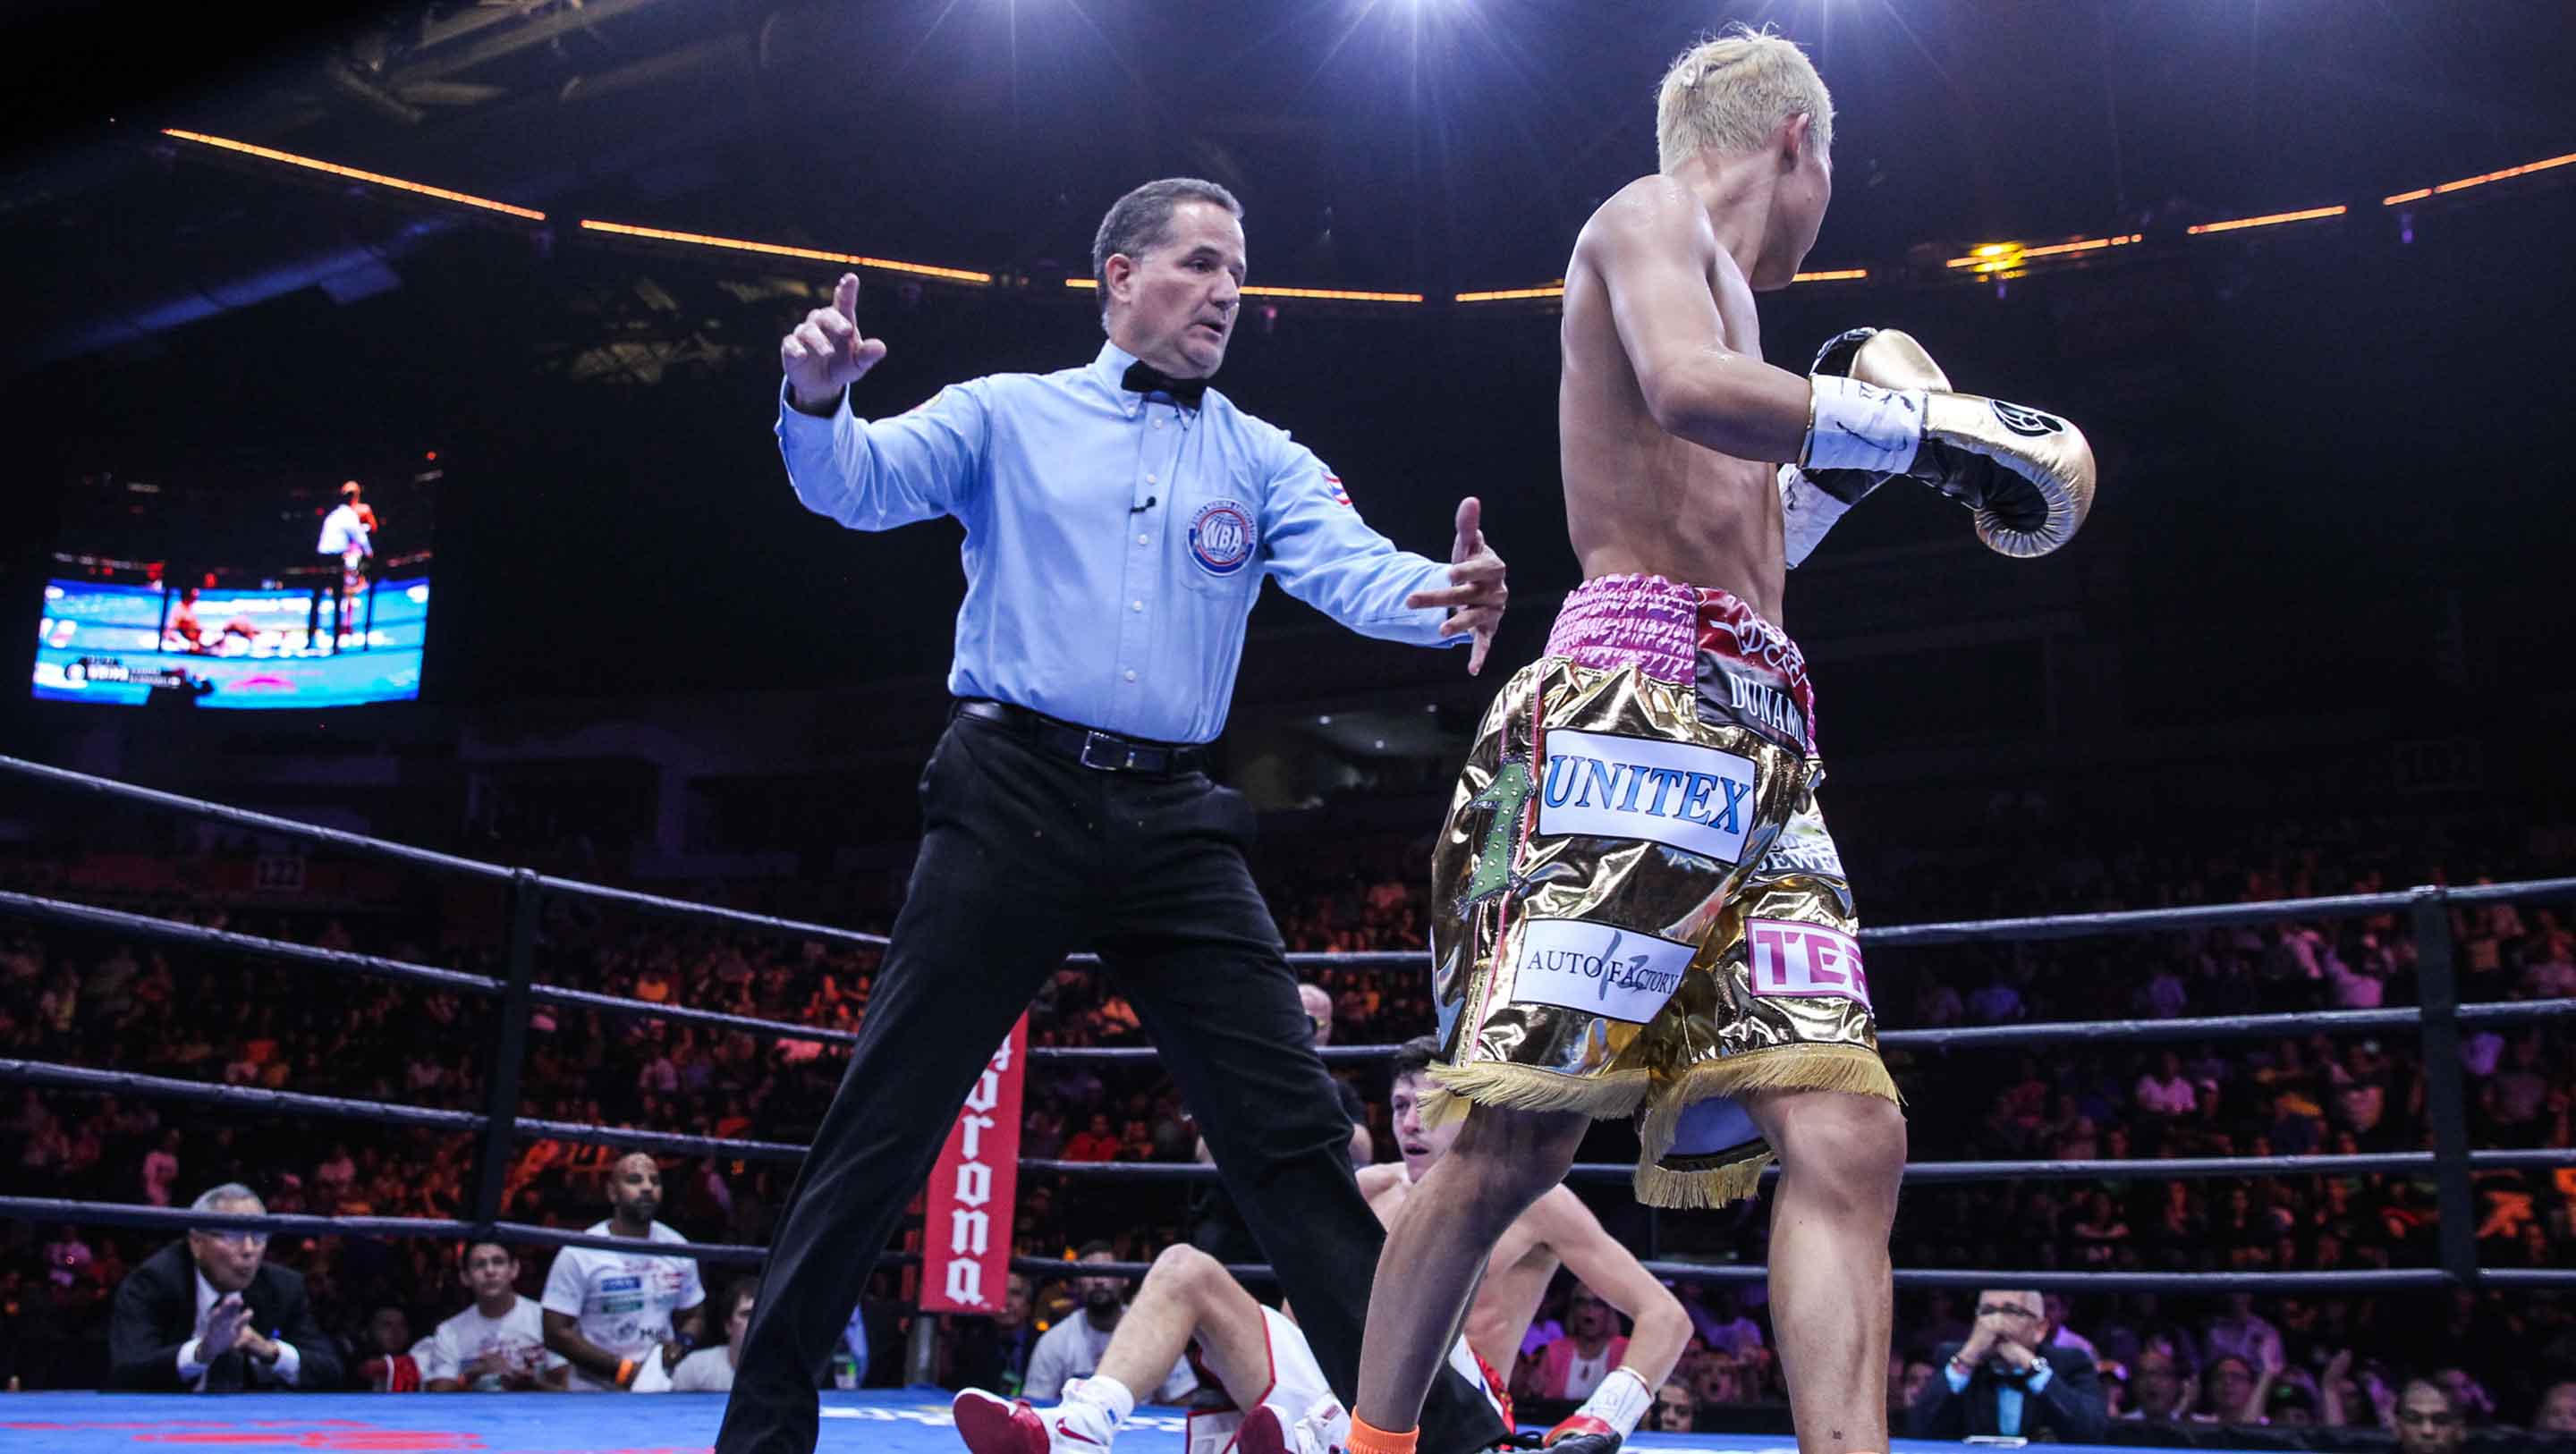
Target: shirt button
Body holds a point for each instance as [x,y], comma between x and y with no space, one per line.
[1131,676]
[1153,479]
[1158,423]
[1140,539]
[1135,605]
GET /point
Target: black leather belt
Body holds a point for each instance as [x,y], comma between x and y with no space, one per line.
[1100,751]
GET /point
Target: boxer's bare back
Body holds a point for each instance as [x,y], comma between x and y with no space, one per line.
[1649,278]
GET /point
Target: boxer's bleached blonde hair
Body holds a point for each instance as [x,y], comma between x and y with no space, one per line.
[1731,90]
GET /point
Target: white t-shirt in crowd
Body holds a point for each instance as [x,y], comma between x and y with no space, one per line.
[1071,1349]
[706,1371]
[623,1300]
[519,1335]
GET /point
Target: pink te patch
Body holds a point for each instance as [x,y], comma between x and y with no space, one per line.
[1791,960]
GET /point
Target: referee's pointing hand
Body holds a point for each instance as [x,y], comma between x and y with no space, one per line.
[1476,588]
[825,354]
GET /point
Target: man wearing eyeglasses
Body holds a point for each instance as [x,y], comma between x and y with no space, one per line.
[2010,1378]
[210,1315]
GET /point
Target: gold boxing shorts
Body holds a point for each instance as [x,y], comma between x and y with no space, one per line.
[1637,908]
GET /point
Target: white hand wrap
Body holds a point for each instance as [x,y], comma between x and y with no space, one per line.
[1856,426]
[1620,1401]
[1806,513]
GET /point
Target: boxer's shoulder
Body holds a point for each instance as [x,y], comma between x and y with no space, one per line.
[1650,210]
[1384,1179]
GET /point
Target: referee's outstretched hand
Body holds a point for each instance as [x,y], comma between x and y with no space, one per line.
[825,354]
[1476,590]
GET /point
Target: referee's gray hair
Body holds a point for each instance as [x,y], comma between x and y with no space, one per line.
[1141,221]
[231,1191]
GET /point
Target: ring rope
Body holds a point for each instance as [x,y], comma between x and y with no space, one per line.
[623,1005]
[2452,1163]
[80,1078]
[535,1128]
[2420,1163]
[266,822]
[684,908]
[392,1113]
[258,1098]
[182,1219]
[49,1209]
[2042,926]
[2373,1279]
[363,844]
[2206,1027]
[174,931]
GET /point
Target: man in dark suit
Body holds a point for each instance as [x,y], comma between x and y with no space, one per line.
[208,1315]
[2010,1378]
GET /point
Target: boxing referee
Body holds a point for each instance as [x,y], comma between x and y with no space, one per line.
[1120,518]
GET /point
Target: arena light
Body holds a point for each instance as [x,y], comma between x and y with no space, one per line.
[2090,244]
[1996,257]
[2270,219]
[1342,295]
[1557,289]
[1335,294]
[377,179]
[2464,183]
[774,249]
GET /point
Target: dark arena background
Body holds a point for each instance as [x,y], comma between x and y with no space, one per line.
[592,850]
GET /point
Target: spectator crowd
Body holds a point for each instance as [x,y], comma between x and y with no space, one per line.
[380,1309]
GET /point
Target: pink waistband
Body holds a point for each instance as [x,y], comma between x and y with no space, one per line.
[1649,623]
[1660,627]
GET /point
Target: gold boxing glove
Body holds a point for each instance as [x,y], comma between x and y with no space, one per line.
[1881,406]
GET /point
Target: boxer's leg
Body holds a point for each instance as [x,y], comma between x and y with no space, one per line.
[1841,1156]
[987,918]
[1502,1162]
[1192,945]
[1187,1296]
[1786,1063]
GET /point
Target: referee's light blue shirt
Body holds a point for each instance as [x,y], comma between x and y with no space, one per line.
[1114,541]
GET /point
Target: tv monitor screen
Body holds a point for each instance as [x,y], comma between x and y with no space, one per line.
[239,594]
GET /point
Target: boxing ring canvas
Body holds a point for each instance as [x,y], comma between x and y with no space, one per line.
[887,1422]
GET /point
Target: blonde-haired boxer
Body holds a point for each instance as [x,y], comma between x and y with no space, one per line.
[1260,1357]
[1638,910]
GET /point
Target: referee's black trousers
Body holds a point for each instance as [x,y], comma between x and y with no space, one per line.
[1025,858]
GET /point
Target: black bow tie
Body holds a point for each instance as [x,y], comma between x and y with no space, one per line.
[1144,378]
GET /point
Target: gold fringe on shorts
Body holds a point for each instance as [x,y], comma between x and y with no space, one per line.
[1700,1182]
[1528,1088]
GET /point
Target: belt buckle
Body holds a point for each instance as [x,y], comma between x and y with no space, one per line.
[1115,756]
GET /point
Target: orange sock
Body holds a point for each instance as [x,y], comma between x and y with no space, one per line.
[1369,1439]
